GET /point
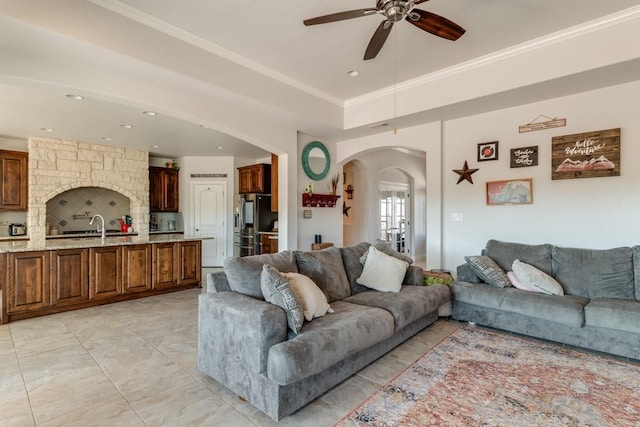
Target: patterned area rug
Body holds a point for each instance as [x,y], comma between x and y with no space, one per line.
[478,377]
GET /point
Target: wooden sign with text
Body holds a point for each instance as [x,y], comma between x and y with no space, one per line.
[586,155]
[524,156]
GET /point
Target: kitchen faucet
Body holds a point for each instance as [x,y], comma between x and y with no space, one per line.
[103,235]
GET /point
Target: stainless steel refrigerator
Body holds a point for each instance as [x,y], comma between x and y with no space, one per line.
[251,214]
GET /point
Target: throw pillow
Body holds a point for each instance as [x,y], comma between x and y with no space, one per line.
[387,248]
[538,279]
[277,291]
[314,302]
[518,284]
[488,270]
[383,272]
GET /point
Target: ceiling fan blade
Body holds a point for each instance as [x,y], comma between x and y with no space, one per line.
[340,16]
[378,39]
[436,24]
[417,2]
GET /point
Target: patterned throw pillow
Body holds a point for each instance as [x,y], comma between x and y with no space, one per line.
[538,279]
[277,291]
[488,270]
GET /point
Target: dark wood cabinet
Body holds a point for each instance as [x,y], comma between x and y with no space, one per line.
[165,272]
[27,283]
[105,272]
[190,262]
[254,179]
[13,180]
[69,276]
[136,268]
[268,244]
[163,189]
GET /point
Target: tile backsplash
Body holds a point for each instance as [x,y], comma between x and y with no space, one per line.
[73,209]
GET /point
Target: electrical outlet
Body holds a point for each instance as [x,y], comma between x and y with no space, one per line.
[458,217]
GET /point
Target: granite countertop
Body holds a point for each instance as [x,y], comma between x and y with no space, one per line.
[273,233]
[90,242]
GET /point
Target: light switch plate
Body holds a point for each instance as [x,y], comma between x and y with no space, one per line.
[307,213]
[458,217]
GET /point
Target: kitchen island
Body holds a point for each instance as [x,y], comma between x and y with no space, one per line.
[50,276]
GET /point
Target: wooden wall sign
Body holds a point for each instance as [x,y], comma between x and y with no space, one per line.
[586,155]
[524,156]
[542,125]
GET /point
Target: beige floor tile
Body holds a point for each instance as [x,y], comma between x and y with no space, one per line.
[118,413]
[350,393]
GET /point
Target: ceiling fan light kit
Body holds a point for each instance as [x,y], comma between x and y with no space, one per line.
[394,11]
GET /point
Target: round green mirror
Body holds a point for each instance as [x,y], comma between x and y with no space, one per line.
[315,160]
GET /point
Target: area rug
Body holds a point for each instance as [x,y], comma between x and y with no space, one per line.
[480,377]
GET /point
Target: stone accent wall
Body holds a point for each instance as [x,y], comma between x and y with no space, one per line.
[56,166]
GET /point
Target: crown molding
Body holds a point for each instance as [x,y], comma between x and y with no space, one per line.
[623,16]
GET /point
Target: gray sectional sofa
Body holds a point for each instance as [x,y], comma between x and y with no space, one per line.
[244,342]
[600,309]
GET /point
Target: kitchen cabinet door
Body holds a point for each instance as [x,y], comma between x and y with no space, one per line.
[165,265]
[190,257]
[136,268]
[105,272]
[27,283]
[163,189]
[13,180]
[69,276]
[254,179]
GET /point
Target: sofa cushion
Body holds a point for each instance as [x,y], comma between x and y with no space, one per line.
[623,315]
[504,253]
[488,270]
[536,278]
[244,273]
[411,303]
[277,291]
[326,270]
[382,272]
[314,301]
[567,310]
[595,273]
[636,270]
[352,266]
[328,340]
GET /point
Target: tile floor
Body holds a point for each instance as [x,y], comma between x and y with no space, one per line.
[134,364]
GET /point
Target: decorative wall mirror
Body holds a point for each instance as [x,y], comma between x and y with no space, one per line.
[315,160]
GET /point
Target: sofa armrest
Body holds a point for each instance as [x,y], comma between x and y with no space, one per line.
[414,276]
[217,282]
[235,333]
[465,273]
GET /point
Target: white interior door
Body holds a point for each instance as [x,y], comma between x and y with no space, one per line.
[210,219]
[395,226]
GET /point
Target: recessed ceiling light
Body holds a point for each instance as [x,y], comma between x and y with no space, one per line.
[73,96]
[126,126]
[105,138]
[47,129]
[155,146]
[219,148]
[149,113]
[353,73]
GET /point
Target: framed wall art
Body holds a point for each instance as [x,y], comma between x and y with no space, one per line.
[586,155]
[524,157]
[510,192]
[488,151]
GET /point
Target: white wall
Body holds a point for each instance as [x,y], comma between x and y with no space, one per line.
[324,221]
[588,212]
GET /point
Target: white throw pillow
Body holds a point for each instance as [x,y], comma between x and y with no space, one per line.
[518,284]
[534,278]
[382,272]
[314,301]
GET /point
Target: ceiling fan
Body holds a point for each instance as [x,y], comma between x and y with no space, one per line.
[394,11]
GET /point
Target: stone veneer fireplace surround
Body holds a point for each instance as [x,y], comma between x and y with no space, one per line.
[56,166]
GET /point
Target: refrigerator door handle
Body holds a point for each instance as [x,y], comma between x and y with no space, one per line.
[242,213]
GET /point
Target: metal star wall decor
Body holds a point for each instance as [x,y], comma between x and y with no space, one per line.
[465,173]
[345,209]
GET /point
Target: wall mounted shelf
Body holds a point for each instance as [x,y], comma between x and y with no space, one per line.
[319,200]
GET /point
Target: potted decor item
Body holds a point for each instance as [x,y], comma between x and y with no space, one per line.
[334,184]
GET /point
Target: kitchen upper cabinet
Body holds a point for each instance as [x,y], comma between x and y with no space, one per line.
[163,189]
[69,276]
[254,179]
[136,268]
[13,180]
[105,272]
[27,286]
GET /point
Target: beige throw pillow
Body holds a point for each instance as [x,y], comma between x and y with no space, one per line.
[537,279]
[383,272]
[314,301]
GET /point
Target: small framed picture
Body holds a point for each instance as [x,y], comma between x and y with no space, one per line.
[488,151]
[510,192]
